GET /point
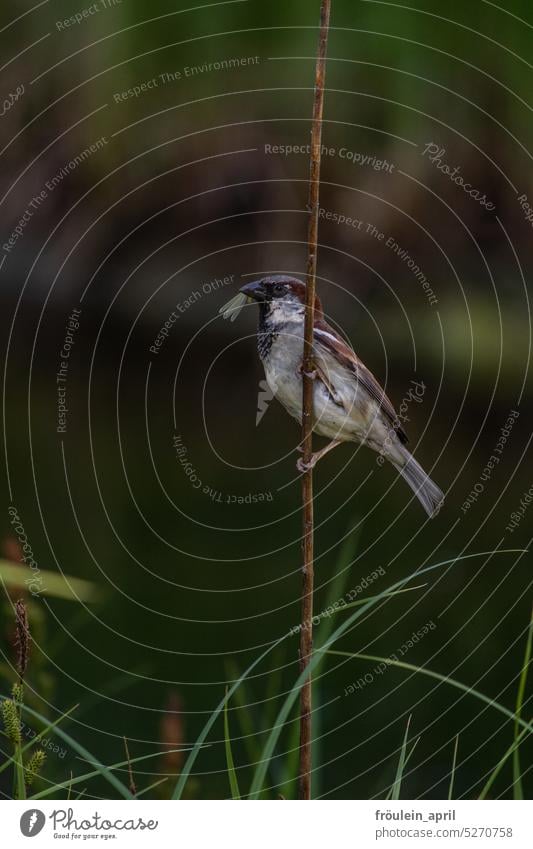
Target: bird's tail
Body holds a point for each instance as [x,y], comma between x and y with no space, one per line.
[428,493]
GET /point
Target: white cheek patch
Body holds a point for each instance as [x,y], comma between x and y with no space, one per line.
[275,312]
[283,311]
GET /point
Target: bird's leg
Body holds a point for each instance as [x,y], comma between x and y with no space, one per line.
[304,467]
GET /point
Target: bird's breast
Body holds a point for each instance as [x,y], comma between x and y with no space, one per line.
[341,410]
[282,371]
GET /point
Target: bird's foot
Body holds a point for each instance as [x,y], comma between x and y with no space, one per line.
[312,374]
[303,467]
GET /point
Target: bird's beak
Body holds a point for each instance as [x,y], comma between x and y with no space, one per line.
[254,290]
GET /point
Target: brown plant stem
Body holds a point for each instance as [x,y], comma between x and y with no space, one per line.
[306,633]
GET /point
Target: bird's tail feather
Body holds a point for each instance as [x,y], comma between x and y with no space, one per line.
[428,493]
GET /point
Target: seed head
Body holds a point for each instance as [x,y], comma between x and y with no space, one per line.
[17,691]
[22,637]
[34,766]
[11,720]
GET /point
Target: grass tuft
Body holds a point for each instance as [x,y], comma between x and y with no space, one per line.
[518,790]
[232,775]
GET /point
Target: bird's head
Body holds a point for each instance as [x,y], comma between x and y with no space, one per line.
[280,295]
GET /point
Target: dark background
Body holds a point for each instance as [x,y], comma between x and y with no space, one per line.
[192,589]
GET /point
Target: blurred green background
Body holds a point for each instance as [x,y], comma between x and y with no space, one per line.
[183,192]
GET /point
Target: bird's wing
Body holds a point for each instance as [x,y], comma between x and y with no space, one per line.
[323,377]
[332,342]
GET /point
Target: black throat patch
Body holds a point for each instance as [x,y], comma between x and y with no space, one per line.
[266,334]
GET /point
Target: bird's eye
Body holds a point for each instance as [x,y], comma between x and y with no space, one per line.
[279,289]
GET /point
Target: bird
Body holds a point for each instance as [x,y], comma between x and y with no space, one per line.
[349,405]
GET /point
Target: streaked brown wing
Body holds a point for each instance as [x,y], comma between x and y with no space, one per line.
[349,359]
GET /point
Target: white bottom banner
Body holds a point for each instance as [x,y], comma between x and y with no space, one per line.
[235,825]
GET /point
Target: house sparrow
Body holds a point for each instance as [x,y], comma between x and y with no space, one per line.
[349,403]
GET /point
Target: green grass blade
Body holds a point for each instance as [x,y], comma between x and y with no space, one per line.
[273,687]
[316,658]
[19,576]
[243,702]
[81,750]
[70,782]
[336,592]
[454,764]
[445,679]
[407,759]
[189,763]
[367,598]
[292,695]
[232,775]
[35,740]
[518,791]
[18,774]
[397,785]
[317,742]
[146,790]
[510,751]
[290,768]
[19,782]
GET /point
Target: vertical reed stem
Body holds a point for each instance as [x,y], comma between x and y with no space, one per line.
[306,633]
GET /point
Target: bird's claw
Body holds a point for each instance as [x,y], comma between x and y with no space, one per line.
[303,467]
[312,374]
